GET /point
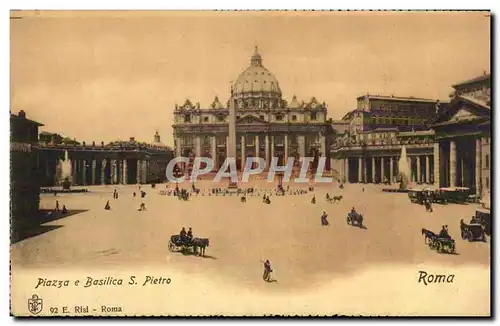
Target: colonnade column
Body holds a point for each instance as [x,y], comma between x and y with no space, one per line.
[124,172]
[243,154]
[73,171]
[302,145]
[139,172]
[365,170]
[436,165]
[346,177]
[360,169]
[427,169]
[478,167]
[391,169]
[94,167]
[214,152]
[267,151]
[419,170]
[374,174]
[453,163]
[103,171]
[84,172]
[114,177]
[382,170]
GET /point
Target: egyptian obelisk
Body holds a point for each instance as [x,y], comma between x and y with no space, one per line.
[231,139]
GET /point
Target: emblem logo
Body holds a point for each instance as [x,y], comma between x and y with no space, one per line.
[35,304]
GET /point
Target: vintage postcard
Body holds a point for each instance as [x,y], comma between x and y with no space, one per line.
[208,163]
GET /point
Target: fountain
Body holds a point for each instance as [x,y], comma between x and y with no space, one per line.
[404,170]
[404,173]
[65,172]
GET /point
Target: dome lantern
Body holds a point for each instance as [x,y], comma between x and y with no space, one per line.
[256,60]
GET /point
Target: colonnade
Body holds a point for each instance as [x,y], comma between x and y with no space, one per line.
[380,169]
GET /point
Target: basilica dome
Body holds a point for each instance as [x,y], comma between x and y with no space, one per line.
[256,79]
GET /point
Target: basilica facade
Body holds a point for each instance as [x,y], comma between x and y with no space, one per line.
[266,124]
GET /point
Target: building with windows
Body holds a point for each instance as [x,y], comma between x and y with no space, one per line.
[462,147]
[24,171]
[266,124]
[368,149]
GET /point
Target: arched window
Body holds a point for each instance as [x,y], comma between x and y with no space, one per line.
[187,118]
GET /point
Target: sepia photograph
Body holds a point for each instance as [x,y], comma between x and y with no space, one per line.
[250,163]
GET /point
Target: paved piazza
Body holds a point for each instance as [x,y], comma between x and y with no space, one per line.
[304,254]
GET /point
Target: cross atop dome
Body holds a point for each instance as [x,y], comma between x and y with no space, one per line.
[256,60]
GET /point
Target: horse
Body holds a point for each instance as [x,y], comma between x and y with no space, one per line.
[429,235]
[428,206]
[201,243]
[337,198]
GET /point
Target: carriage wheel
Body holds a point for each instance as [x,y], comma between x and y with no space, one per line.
[348,220]
[470,236]
[439,247]
[464,235]
[428,241]
[171,246]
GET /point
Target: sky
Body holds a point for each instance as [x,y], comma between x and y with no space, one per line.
[105,76]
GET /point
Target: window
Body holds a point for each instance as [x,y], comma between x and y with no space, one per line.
[220,118]
[487,161]
[279,117]
[313,116]
[205,119]
[262,117]
[294,117]
[237,117]
[187,118]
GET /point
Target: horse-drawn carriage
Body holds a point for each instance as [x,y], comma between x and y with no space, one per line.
[483,215]
[439,243]
[418,196]
[473,231]
[355,219]
[185,244]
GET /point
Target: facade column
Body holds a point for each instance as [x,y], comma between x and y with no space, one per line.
[382,170]
[286,149]
[373,170]
[419,170]
[272,146]
[124,172]
[360,169]
[346,170]
[427,169]
[453,163]
[267,151]
[94,166]
[302,145]
[214,152]
[436,165]
[257,146]
[322,143]
[243,152]
[198,146]
[391,170]
[478,167]
[178,147]
[103,171]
